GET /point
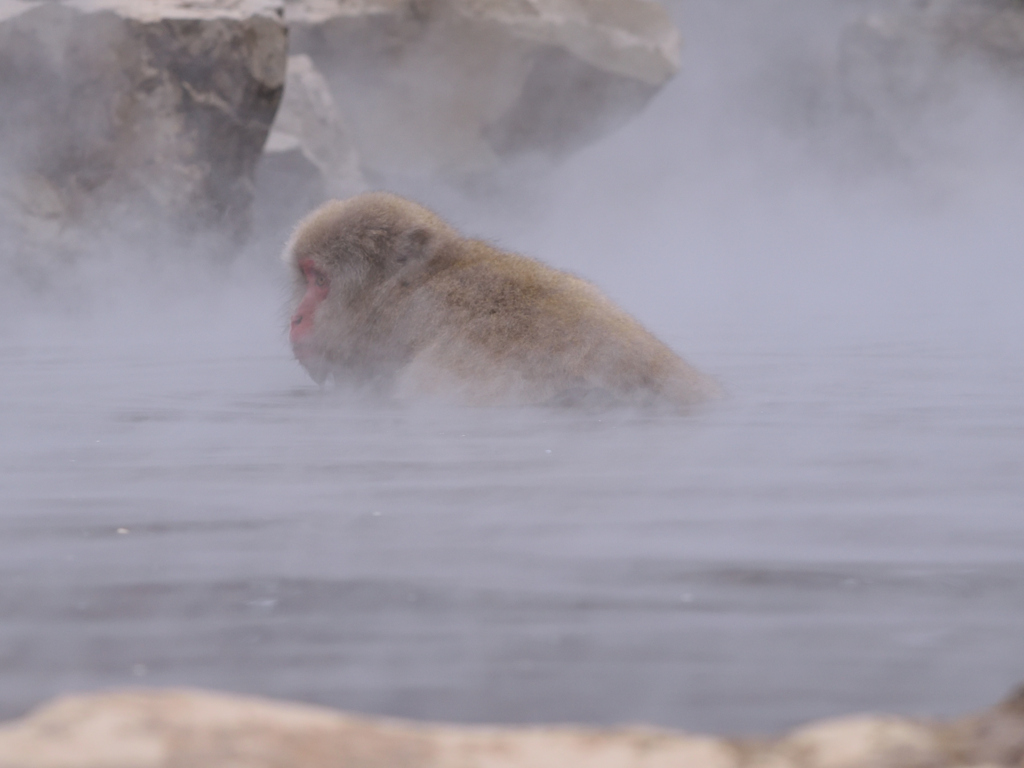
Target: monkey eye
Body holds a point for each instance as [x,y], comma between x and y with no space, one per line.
[313,276]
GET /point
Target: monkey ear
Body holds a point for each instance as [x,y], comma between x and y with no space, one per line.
[414,246]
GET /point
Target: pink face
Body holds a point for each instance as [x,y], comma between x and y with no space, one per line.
[317,286]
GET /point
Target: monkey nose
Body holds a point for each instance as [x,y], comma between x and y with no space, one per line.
[297,319]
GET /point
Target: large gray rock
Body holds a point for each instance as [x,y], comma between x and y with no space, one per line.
[309,120]
[903,68]
[131,113]
[994,28]
[455,86]
[309,156]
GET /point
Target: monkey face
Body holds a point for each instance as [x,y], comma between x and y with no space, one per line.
[303,324]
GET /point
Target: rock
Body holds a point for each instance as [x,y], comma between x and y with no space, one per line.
[456,86]
[308,157]
[308,116]
[995,737]
[857,742]
[901,64]
[143,113]
[994,28]
[167,729]
[135,112]
[177,728]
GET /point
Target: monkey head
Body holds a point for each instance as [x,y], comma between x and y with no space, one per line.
[345,255]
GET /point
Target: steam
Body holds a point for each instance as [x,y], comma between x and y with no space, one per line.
[789,189]
[819,172]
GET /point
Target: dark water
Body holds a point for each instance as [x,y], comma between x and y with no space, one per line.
[179,505]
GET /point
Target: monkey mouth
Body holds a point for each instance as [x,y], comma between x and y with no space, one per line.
[314,362]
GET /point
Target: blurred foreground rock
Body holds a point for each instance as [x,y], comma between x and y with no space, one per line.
[134,112]
[455,86]
[176,728]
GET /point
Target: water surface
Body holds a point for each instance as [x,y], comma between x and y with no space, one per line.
[844,533]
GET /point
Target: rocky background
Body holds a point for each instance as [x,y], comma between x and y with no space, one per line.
[178,728]
[170,117]
[191,118]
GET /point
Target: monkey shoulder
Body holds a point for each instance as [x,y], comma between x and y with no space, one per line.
[485,289]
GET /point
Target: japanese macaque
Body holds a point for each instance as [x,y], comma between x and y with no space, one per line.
[389,296]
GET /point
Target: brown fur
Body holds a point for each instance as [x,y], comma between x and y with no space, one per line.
[415,307]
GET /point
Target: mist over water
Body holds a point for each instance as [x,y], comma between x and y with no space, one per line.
[835,237]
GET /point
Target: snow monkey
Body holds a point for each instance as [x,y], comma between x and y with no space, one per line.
[389,296]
